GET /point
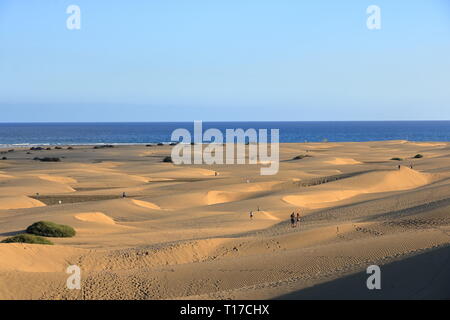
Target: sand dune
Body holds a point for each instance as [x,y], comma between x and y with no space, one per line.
[343,161]
[96,217]
[216,197]
[183,232]
[145,204]
[36,258]
[372,182]
[19,202]
[59,179]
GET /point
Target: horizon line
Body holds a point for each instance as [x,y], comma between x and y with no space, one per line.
[211,121]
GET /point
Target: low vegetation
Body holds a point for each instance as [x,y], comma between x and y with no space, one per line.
[27,238]
[51,229]
[104,146]
[301,156]
[418,156]
[396,159]
[47,159]
[168,159]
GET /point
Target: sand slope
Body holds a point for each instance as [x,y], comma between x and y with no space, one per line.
[183,232]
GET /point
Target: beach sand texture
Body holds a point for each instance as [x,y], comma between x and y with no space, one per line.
[183,233]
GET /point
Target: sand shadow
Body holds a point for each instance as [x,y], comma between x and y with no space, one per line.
[424,276]
[12,233]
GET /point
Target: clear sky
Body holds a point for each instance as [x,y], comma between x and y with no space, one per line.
[178,60]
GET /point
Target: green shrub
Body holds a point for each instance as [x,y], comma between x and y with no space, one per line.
[418,156]
[27,238]
[396,159]
[50,229]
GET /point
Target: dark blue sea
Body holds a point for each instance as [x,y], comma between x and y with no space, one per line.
[16,134]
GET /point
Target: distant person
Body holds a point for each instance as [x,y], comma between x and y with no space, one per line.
[292,220]
[251,215]
[124,195]
[298,218]
[258,208]
[399,167]
[215,173]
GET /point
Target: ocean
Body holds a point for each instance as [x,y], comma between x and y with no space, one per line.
[29,134]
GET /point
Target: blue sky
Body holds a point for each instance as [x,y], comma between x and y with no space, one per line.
[177,60]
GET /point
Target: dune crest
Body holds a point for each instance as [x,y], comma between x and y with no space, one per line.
[145,204]
[343,161]
[216,197]
[59,179]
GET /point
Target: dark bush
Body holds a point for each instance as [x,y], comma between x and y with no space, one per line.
[47,159]
[396,159]
[104,146]
[27,238]
[302,156]
[58,148]
[51,229]
[418,156]
[160,144]
[4,158]
[167,159]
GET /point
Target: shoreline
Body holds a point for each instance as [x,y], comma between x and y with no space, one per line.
[155,144]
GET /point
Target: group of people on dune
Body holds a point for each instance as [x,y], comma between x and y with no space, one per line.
[295,218]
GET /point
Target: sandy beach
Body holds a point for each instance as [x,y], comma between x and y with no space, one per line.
[184,232]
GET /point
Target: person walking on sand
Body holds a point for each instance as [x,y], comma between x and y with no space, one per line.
[124,195]
[251,215]
[298,218]
[292,220]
